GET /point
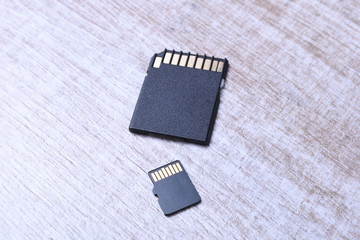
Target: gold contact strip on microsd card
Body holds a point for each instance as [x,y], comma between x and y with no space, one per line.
[190,61]
[166,171]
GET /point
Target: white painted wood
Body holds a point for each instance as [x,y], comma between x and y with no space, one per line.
[284,159]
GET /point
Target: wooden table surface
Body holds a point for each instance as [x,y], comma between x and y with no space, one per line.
[284,158]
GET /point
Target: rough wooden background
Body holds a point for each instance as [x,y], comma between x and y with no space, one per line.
[284,160]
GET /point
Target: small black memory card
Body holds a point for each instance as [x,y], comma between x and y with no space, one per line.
[180,96]
[173,187]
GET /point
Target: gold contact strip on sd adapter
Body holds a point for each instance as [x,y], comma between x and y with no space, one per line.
[190,61]
[166,171]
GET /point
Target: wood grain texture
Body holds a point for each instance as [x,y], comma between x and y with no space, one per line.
[284,160]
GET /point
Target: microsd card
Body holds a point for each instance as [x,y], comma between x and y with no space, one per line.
[180,96]
[173,187]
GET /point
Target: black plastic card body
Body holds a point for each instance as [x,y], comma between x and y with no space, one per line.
[180,98]
[173,187]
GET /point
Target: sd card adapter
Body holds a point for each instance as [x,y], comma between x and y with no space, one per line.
[180,96]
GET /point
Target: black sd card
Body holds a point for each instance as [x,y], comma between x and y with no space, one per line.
[180,96]
[173,187]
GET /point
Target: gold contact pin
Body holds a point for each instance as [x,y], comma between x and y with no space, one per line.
[168,171]
[207,64]
[167,57]
[183,60]
[214,66]
[154,177]
[176,170]
[220,67]
[164,171]
[157,176]
[199,62]
[161,174]
[179,167]
[175,59]
[157,62]
[191,61]
[172,169]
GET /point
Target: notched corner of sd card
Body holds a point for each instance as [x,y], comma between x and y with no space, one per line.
[173,187]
